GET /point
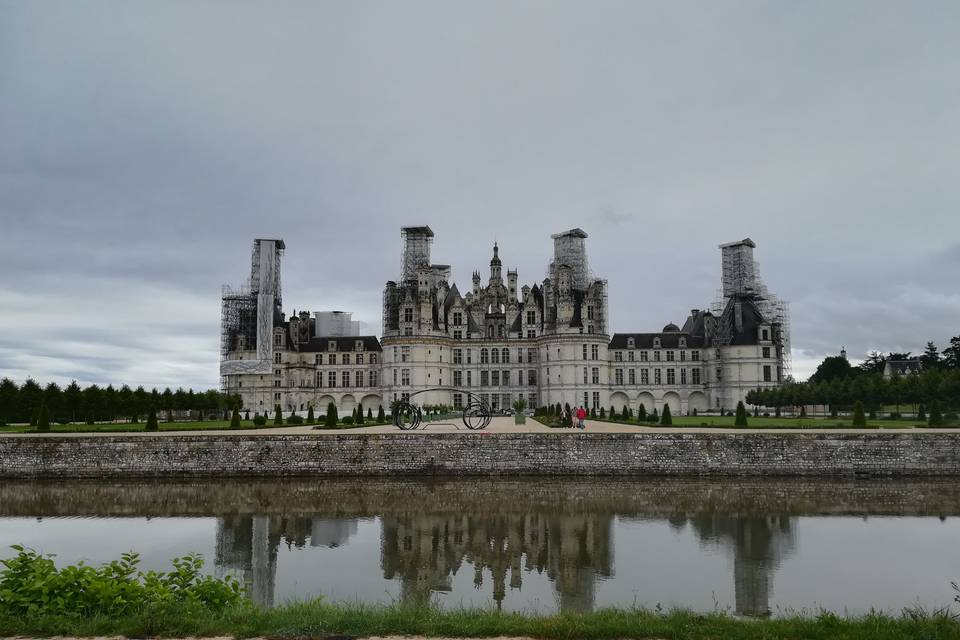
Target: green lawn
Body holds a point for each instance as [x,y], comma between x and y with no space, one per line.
[780,423]
[120,427]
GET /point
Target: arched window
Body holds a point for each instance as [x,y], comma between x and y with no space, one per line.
[495,356]
[484,356]
[505,355]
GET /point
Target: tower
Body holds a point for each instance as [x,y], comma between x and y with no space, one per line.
[416,251]
[495,266]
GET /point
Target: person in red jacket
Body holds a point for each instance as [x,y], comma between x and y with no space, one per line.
[581,417]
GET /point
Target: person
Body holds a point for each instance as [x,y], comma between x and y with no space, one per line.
[582,417]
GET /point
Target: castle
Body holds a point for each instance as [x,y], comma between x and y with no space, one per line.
[547,343]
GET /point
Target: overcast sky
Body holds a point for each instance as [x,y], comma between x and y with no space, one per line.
[143,145]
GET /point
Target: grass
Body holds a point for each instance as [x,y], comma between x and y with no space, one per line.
[122,427]
[316,618]
[726,422]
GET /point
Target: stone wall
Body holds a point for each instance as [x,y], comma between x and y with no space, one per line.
[813,454]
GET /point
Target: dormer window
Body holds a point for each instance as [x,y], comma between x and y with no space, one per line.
[683,343]
[656,343]
[332,345]
[631,343]
[765,334]
[358,345]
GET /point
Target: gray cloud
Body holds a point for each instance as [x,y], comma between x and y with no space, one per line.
[144,145]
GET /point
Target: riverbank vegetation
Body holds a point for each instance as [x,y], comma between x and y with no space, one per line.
[40,599]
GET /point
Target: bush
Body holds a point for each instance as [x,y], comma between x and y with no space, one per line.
[741,419]
[358,415]
[380,415]
[936,418]
[277,415]
[603,413]
[33,586]
[642,413]
[259,420]
[332,418]
[295,419]
[152,421]
[859,419]
[666,419]
[310,417]
[347,420]
[235,419]
[43,419]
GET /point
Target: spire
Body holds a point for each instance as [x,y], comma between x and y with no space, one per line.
[496,255]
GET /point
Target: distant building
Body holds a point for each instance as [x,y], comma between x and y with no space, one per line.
[901,368]
[547,343]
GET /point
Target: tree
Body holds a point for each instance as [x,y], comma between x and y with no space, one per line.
[936,416]
[832,368]
[43,419]
[603,413]
[874,362]
[951,355]
[358,417]
[235,419]
[380,415]
[921,413]
[859,420]
[332,418]
[152,420]
[567,416]
[8,400]
[369,414]
[803,411]
[277,415]
[72,401]
[666,419]
[931,357]
[310,417]
[741,419]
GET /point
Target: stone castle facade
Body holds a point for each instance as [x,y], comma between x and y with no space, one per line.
[499,342]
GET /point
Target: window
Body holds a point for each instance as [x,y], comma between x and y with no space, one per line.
[506,378]
[683,356]
[584,375]
[596,399]
[494,378]
[632,376]
[630,356]
[404,354]
[531,333]
[670,356]
[276,396]
[505,356]
[359,358]
[405,397]
[457,334]
[331,378]
[695,376]
[373,358]
[586,399]
[643,356]
[408,331]
[495,356]
[278,339]
[531,355]
[766,373]
[499,330]
[484,356]
[408,314]
[595,375]
[532,400]
[656,377]
[278,357]
[458,401]
[766,352]
[584,352]
[531,317]
[671,376]
[683,376]
[458,378]
[345,379]
[695,355]
[277,372]
[318,381]
[345,358]
[469,378]
[457,319]
[371,378]
[618,376]
[520,355]
[765,334]
[276,383]
[484,378]
[589,328]
[458,356]
[469,356]
[589,313]
[656,356]
[594,352]
[618,356]
[405,377]
[531,377]
[644,376]
[631,343]
[358,379]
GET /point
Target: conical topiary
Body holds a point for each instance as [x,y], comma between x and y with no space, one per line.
[152,421]
[859,419]
[310,417]
[741,418]
[332,418]
[380,415]
[235,419]
[666,419]
[936,416]
[43,419]
[277,415]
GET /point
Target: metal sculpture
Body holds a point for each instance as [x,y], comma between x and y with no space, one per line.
[476,413]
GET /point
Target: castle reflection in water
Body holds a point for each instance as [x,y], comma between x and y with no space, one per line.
[424,552]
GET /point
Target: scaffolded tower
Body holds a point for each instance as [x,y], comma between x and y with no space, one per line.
[569,250]
[248,313]
[741,281]
[416,251]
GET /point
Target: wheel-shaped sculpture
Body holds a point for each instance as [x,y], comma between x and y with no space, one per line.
[476,415]
[406,416]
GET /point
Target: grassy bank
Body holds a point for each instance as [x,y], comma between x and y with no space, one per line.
[727,422]
[318,618]
[124,427]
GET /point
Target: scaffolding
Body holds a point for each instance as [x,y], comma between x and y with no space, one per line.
[416,251]
[569,250]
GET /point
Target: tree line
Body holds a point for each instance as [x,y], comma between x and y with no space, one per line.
[23,403]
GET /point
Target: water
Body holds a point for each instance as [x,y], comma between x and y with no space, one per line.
[754,547]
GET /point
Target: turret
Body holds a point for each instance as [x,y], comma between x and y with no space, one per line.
[512,284]
[476,282]
[495,266]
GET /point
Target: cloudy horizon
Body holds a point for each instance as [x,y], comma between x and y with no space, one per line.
[143,146]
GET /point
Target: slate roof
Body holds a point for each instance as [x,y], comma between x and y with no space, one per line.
[344,343]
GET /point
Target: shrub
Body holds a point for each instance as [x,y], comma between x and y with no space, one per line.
[369,414]
[613,413]
[859,419]
[295,419]
[741,419]
[152,421]
[310,417]
[936,418]
[642,413]
[114,590]
[332,418]
[277,415]
[259,420]
[347,420]
[568,416]
[603,413]
[381,417]
[235,419]
[43,419]
[666,419]
[34,417]
[358,415]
